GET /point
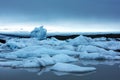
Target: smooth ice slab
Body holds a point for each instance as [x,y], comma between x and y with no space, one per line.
[65,67]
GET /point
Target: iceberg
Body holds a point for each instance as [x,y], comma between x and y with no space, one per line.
[65,67]
[80,40]
[39,33]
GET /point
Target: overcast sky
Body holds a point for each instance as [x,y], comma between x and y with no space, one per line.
[75,15]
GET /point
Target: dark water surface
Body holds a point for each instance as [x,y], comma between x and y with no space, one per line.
[109,70]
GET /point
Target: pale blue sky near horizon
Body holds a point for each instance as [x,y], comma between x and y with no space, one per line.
[69,15]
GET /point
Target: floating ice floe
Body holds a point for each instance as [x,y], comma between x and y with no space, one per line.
[36,51]
[44,61]
[20,64]
[90,48]
[99,56]
[100,39]
[65,67]
[19,43]
[97,62]
[86,55]
[110,45]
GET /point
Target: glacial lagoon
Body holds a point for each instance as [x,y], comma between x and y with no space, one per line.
[106,70]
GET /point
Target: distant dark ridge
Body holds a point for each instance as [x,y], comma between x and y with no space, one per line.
[64,37]
[15,35]
[2,41]
[104,35]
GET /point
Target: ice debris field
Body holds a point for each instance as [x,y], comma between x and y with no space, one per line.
[39,51]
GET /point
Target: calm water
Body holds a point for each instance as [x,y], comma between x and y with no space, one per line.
[107,70]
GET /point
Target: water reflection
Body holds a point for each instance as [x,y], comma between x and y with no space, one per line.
[73,74]
[39,72]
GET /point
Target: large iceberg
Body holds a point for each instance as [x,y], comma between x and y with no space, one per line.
[39,33]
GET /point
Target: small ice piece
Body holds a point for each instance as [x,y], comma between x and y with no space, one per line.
[63,58]
[65,47]
[26,63]
[53,42]
[91,49]
[30,63]
[11,63]
[96,62]
[98,56]
[86,55]
[100,39]
[46,60]
[110,45]
[65,67]
[39,33]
